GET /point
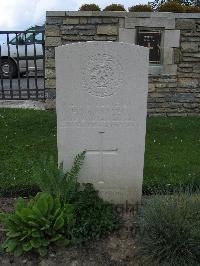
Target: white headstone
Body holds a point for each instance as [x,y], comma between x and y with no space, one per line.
[101,98]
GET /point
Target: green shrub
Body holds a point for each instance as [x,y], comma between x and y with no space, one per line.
[53,180]
[89,7]
[114,7]
[65,212]
[171,6]
[37,224]
[95,217]
[192,9]
[169,229]
[140,8]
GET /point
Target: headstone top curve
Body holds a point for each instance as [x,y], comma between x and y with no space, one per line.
[102,43]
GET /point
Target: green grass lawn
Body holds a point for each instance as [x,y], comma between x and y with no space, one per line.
[172,156]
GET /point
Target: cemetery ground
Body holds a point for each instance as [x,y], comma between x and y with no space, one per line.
[171,161]
[171,155]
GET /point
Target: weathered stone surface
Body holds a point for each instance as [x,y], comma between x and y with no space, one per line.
[185,24]
[107,30]
[190,39]
[170,69]
[196,68]
[186,56]
[55,13]
[121,22]
[177,55]
[188,83]
[50,63]
[50,83]
[96,14]
[160,85]
[50,73]
[87,32]
[188,75]
[168,56]
[110,20]
[52,31]
[171,38]
[185,70]
[69,32]
[191,105]
[50,104]
[49,52]
[99,92]
[71,21]
[185,65]
[94,20]
[198,27]
[127,35]
[192,55]
[83,20]
[66,28]
[84,27]
[176,114]
[190,59]
[164,78]
[167,23]
[187,16]
[76,30]
[180,97]
[151,87]
[71,38]
[189,47]
[50,93]
[54,20]
[111,38]
[100,38]
[53,41]
[190,34]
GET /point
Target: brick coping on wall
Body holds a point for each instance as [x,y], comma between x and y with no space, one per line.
[121,14]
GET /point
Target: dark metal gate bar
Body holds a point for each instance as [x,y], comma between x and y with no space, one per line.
[22,65]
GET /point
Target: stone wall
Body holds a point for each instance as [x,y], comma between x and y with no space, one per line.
[174,88]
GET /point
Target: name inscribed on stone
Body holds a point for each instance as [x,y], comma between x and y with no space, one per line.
[84,116]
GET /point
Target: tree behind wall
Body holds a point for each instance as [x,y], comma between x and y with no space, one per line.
[156,3]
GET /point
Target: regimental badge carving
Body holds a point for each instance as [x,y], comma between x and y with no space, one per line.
[102,75]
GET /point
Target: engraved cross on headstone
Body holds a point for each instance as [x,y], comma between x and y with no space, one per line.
[100,152]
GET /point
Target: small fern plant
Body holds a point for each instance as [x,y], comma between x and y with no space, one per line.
[55,181]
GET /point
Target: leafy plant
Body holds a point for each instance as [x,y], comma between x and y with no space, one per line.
[171,6]
[64,212]
[89,7]
[140,8]
[37,224]
[169,229]
[114,7]
[53,180]
[95,217]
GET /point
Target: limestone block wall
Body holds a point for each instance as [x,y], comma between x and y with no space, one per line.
[174,86]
